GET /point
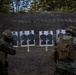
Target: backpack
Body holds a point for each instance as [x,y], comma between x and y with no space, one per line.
[64,47]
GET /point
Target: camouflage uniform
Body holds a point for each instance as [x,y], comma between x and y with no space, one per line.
[5,48]
[67,67]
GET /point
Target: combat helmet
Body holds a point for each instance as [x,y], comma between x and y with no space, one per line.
[72,27]
[7,34]
[72,30]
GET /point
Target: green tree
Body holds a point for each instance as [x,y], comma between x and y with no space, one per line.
[53,5]
[4,5]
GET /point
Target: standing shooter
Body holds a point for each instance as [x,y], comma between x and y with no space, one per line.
[6,47]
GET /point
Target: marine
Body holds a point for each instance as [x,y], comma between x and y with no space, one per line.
[64,53]
[6,47]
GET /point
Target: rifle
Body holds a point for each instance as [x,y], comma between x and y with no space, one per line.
[56,54]
[56,57]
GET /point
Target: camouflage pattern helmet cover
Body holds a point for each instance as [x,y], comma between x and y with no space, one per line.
[72,27]
[72,30]
[7,34]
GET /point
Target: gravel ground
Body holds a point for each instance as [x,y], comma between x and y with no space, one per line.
[35,62]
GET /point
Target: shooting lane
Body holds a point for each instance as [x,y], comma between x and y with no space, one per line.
[27,39]
[15,38]
[46,38]
[59,33]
